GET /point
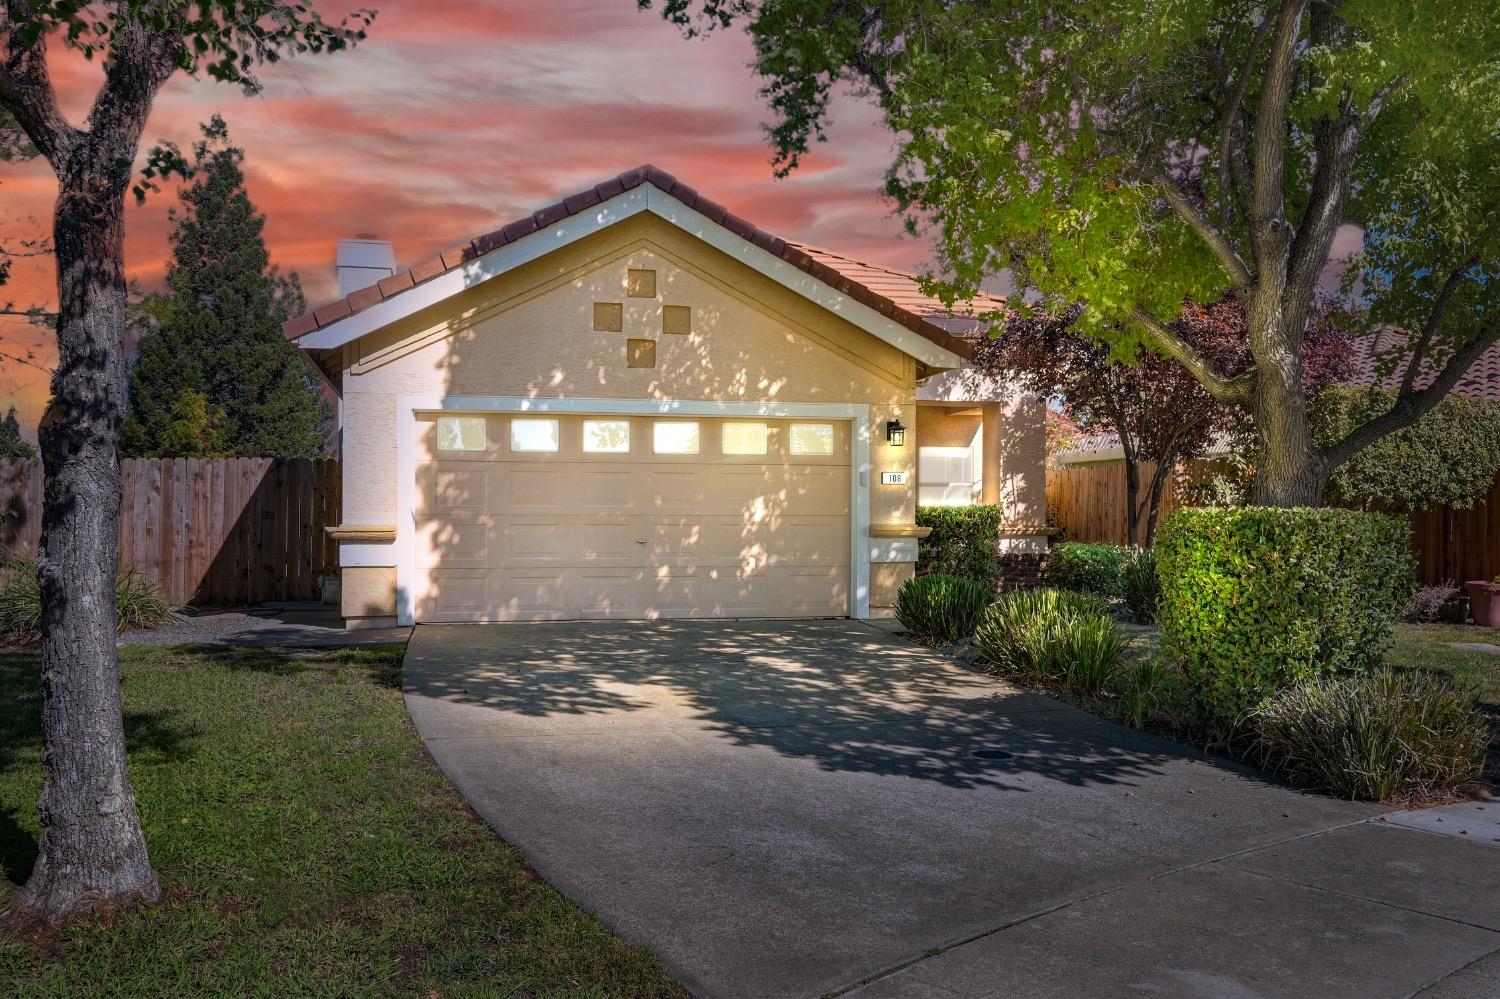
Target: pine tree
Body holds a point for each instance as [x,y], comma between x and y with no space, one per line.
[11,444]
[214,376]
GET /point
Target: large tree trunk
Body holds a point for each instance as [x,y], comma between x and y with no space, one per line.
[1132,493]
[1291,472]
[93,854]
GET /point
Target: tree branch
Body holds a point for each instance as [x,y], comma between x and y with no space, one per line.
[1434,321]
[26,92]
[1268,196]
[1226,390]
[1227,151]
[1412,406]
[1239,273]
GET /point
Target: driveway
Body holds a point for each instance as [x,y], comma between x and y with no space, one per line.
[792,809]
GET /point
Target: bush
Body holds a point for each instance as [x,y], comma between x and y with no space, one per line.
[1030,632]
[1091,654]
[941,608]
[1146,693]
[1430,603]
[1140,586]
[964,542]
[1382,736]
[1255,599]
[1090,566]
[138,602]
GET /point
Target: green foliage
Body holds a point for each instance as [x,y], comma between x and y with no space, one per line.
[1090,566]
[1030,633]
[138,602]
[1092,655]
[1448,458]
[1389,735]
[1140,585]
[11,444]
[214,375]
[1255,599]
[941,609]
[964,542]
[1147,693]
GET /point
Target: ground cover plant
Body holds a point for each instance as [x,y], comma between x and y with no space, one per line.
[307,846]
[941,609]
[1044,635]
[139,603]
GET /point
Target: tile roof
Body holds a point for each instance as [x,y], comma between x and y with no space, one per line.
[893,294]
[1482,380]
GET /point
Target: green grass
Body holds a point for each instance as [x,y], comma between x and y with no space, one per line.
[306,845]
[1426,646]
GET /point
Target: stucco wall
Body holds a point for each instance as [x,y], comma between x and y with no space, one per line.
[530,332]
[937,426]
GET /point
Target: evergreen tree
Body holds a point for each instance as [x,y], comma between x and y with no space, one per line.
[213,374]
[11,444]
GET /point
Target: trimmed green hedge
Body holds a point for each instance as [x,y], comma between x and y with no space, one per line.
[1254,599]
[964,542]
[1090,566]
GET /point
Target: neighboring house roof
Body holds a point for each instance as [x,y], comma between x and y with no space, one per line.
[1373,354]
[874,298]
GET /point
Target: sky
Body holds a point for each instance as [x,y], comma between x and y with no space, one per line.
[455,117]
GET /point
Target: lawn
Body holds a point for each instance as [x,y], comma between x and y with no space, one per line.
[306,844]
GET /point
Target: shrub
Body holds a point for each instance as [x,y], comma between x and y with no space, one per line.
[1381,736]
[1145,692]
[1090,566]
[1140,586]
[1429,603]
[1254,599]
[964,542]
[138,602]
[1029,632]
[1091,654]
[941,608]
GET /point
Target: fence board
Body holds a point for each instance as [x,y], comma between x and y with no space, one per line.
[1089,503]
[237,530]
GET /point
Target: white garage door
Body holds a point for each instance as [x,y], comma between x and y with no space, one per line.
[527,518]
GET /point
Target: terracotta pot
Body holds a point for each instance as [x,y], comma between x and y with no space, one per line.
[1484,602]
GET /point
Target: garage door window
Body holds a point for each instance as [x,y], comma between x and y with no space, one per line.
[745,438]
[606,436]
[460,433]
[812,438]
[533,435]
[671,437]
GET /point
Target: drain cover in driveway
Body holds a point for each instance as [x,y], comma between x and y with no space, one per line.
[992,754]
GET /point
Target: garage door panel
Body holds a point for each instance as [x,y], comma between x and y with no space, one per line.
[547,536]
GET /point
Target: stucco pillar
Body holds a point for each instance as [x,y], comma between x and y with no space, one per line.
[993,434]
[1015,469]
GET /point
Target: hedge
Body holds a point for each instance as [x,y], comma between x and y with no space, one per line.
[1090,566]
[964,542]
[1254,599]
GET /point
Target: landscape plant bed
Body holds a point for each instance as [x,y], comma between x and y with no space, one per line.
[307,845]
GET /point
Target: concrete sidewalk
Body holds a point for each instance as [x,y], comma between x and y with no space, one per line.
[793,809]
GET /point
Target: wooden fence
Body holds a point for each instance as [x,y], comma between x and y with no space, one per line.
[231,531]
[1089,502]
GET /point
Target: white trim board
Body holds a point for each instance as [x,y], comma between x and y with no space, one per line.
[645,198]
[408,406]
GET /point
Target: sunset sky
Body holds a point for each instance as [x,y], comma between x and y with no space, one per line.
[457,116]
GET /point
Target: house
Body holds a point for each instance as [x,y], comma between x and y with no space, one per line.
[633,404]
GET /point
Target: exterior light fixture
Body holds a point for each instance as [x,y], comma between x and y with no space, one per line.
[895,433]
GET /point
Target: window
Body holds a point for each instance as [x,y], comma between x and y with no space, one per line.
[744,438]
[460,433]
[606,436]
[533,435]
[947,476]
[671,437]
[812,438]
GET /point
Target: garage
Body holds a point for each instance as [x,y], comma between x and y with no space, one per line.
[553,517]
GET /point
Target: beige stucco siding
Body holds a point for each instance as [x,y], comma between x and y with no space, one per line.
[938,426]
[530,332]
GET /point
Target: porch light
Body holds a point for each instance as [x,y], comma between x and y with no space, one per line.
[895,433]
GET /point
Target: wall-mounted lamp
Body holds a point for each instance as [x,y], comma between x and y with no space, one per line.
[895,433]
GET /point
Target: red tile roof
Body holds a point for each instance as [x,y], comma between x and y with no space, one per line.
[1380,359]
[891,293]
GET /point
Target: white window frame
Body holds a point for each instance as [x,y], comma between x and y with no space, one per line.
[484,436]
[861,551]
[765,438]
[697,426]
[510,433]
[629,438]
[791,440]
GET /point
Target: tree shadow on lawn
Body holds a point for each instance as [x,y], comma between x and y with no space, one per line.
[838,693]
[151,737]
[379,663]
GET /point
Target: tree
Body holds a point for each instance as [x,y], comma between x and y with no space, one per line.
[1158,411]
[92,852]
[1139,154]
[11,444]
[214,374]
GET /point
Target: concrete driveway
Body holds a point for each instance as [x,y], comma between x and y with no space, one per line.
[791,809]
